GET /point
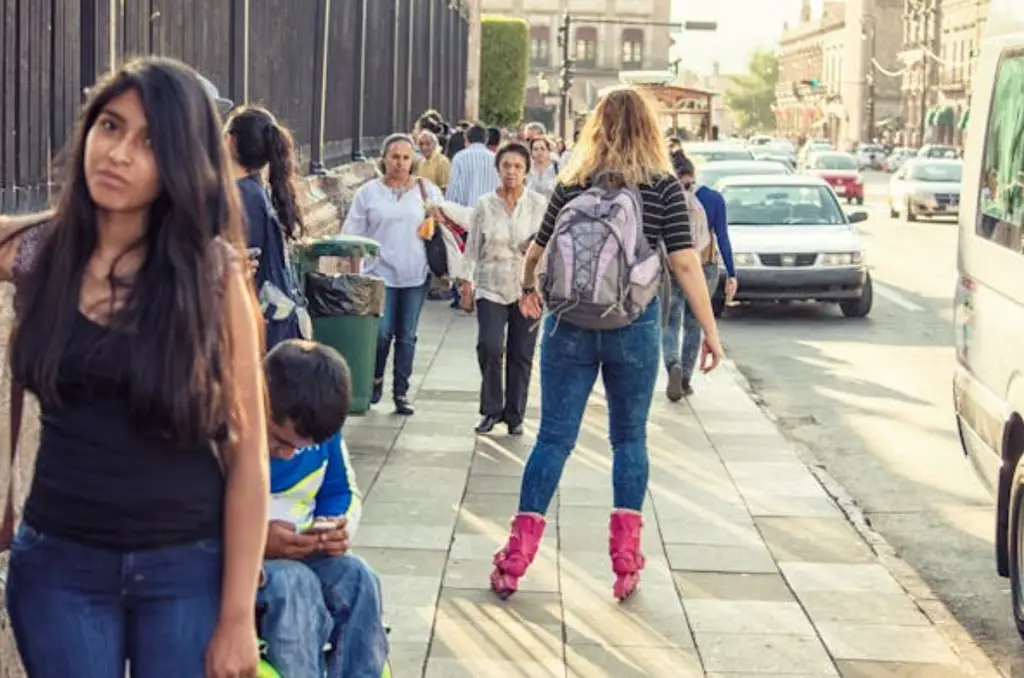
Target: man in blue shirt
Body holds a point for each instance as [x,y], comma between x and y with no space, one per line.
[314,593]
[680,365]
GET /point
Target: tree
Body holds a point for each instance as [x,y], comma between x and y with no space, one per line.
[752,95]
[504,68]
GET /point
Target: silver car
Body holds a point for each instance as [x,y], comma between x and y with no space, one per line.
[926,187]
[792,241]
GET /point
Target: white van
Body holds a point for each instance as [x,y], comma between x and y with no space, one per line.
[988,384]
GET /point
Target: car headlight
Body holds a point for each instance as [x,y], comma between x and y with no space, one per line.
[840,259]
[745,259]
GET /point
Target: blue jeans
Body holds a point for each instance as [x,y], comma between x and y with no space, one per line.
[570,358]
[680,316]
[401,317]
[83,611]
[318,601]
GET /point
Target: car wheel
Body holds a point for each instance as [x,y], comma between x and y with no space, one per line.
[860,307]
[893,213]
[909,213]
[1016,545]
[860,200]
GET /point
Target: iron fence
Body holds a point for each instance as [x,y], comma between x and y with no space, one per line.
[341,74]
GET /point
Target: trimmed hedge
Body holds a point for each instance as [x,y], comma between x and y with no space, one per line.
[504,69]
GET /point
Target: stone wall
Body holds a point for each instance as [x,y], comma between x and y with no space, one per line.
[326,200]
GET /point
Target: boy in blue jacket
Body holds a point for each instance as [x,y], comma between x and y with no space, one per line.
[314,592]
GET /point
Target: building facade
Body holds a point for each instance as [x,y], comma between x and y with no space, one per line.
[607,37]
[811,62]
[962,22]
[871,91]
[922,33]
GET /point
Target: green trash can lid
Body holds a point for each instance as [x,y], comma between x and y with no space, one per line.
[346,246]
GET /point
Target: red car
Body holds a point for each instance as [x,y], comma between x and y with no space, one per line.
[840,171]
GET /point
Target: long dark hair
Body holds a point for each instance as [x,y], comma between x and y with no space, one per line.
[179,376]
[260,141]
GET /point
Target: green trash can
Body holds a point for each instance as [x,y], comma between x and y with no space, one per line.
[345,307]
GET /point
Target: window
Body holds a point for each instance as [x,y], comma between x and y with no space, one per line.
[632,48]
[586,47]
[1001,213]
[540,46]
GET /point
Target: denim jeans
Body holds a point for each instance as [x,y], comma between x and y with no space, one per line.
[401,317]
[318,601]
[83,611]
[680,316]
[570,359]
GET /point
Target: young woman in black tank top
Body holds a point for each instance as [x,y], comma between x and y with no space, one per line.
[138,332]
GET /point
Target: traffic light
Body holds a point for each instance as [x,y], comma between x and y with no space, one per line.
[812,83]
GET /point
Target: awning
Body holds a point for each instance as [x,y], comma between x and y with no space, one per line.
[965,118]
[945,116]
[929,118]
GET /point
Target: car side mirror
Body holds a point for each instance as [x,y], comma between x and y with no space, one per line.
[857,217]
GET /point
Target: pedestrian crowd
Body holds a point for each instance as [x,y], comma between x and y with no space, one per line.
[193,493]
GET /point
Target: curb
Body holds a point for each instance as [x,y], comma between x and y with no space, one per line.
[973,657]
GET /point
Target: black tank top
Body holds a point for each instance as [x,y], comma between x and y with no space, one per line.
[105,479]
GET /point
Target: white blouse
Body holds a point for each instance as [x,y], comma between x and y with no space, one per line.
[496,244]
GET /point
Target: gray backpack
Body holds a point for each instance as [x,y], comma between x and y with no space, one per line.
[600,271]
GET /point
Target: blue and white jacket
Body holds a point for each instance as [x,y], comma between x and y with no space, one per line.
[317,481]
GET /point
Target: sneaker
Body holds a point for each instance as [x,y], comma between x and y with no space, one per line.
[674,391]
[687,389]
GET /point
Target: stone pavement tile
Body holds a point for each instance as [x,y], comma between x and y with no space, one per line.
[734,425]
[421,511]
[714,531]
[412,562]
[651,617]
[717,674]
[775,479]
[408,659]
[861,669]
[732,586]
[410,624]
[366,472]
[839,578]
[404,537]
[525,608]
[475,639]
[814,540]
[592,569]
[715,558]
[396,483]
[585,528]
[483,483]
[475,573]
[598,497]
[495,462]
[893,609]
[747,617]
[763,653]
[610,661]
[875,642]
[688,502]
[499,507]
[404,591]
[483,546]
[449,418]
[759,454]
[762,504]
[493,668]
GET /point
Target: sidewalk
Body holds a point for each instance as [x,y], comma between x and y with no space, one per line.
[752,570]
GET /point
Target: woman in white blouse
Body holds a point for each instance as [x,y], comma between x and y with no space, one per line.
[501,227]
[390,209]
[543,175]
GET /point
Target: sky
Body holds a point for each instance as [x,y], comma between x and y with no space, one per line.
[743,25]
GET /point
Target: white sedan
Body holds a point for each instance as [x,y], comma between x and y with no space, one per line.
[926,187]
[792,241]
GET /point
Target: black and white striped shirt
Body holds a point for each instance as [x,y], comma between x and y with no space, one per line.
[664,211]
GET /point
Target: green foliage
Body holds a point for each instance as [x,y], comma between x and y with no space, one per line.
[504,68]
[752,95]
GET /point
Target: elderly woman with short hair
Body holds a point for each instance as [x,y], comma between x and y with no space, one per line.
[434,165]
[390,209]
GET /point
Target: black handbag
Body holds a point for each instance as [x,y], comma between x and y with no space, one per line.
[437,253]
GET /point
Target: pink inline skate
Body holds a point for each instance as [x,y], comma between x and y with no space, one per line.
[624,549]
[511,562]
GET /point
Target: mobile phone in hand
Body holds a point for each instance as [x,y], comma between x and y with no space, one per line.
[323,525]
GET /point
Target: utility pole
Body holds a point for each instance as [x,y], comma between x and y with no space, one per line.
[869,76]
[565,82]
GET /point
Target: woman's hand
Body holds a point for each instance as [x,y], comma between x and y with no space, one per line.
[7,526]
[234,650]
[530,305]
[711,353]
[466,300]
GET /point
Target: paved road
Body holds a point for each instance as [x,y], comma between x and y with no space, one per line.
[872,399]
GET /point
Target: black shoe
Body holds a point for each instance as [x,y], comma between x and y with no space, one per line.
[674,390]
[515,429]
[687,389]
[487,424]
[404,407]
[378,391]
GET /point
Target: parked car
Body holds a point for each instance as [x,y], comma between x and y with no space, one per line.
[988,307]
[938,151]
[898,156]
[870,156]
[840,171]
[926,188]
[791,240]
[811,147]
[769,154]
[715,151]
[711,173]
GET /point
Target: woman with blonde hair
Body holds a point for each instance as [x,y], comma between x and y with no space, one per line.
[620,160]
